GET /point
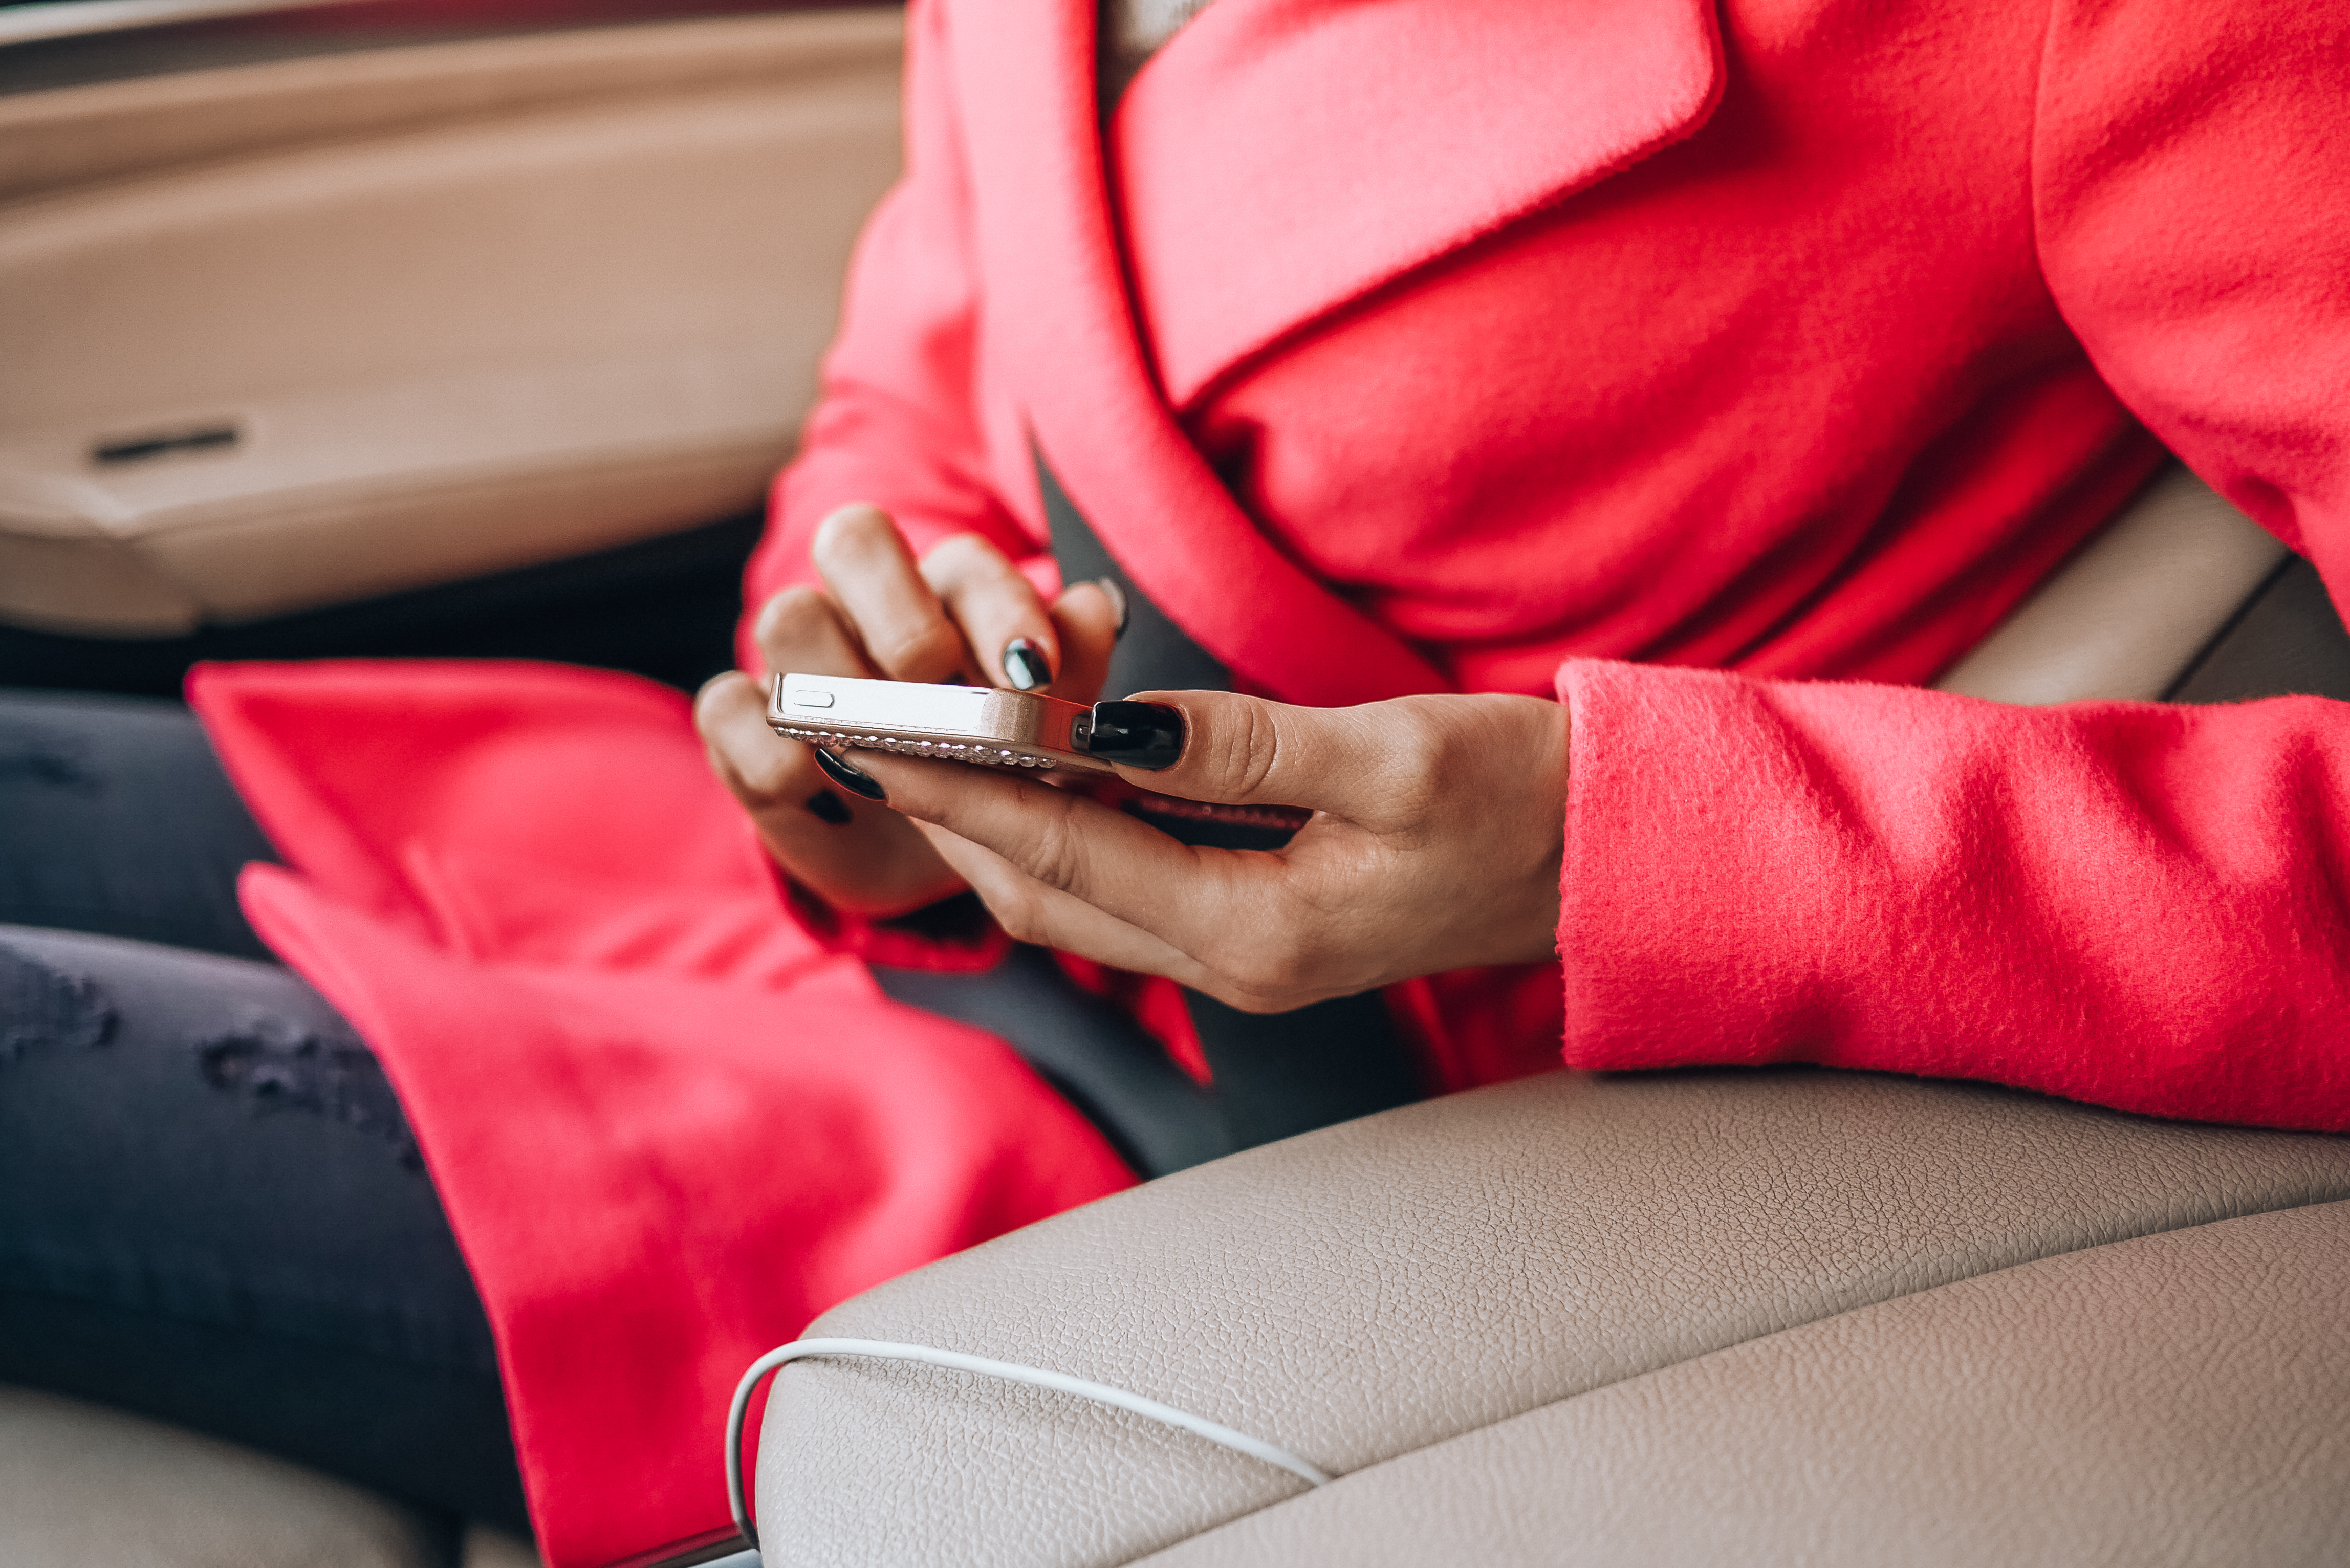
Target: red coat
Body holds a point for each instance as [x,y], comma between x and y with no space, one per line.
[1471,345]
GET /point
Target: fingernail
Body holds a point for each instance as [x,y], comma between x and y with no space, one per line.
[1024,665]
[1147,735]
[1116,598]
[837,770]
[826,806]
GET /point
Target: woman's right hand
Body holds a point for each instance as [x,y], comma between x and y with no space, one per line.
[962,613]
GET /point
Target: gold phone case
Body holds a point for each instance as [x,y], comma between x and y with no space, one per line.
[960,723]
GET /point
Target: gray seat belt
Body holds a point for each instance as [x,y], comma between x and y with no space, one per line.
[2181,598]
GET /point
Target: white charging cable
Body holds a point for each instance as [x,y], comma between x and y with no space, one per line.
[1060,1382]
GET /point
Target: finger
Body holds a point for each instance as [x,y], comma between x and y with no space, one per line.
[1246,751]
[1087,620]
[1198,899]
[1031,912]
[855,854]
[766,771]
[799,631]
[903,629]
[999,612]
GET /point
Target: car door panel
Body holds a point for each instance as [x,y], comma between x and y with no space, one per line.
[364,322]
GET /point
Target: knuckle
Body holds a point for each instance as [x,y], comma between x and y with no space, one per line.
[1419,758]
[1263,988]
[792,619]
[1288,958]
[933,648]
[715,701]
[1414,752]
[981,589]
[852,534]
[1055,856]
[1431,741]
[1245,750]
[1260,961]
[961,555]
[774,775]
[768,782]
[1261,973]
[1022,916]
[1014,904]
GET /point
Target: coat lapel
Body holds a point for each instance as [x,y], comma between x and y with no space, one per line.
[1279,158]
[1056,281]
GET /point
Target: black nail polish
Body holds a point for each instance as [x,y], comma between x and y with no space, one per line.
[1024,665]
[837,770]
[826,806]
[1117,598]
[1137,735]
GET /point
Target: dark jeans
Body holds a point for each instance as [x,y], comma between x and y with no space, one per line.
[211,1207]
[211,1211]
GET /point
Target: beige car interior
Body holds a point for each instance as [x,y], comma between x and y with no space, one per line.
[1683,1318]
[291,334]
[295,333]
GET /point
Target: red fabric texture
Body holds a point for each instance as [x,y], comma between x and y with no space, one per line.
[1422,347]
[668,1127]
[1798,341]
[2128,903]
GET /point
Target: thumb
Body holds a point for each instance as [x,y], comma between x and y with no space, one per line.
[1245,751]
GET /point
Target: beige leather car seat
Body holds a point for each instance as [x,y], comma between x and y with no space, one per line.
[82,1485]
[1783,1317]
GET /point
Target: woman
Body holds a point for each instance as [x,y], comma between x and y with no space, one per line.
[1497,399]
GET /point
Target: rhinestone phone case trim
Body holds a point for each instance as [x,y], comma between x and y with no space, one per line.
[952,751]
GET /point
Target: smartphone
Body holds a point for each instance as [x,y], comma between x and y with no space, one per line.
[960,723]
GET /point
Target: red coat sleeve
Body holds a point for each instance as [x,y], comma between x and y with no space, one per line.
[895,421]
[2141,905]
[2133,904]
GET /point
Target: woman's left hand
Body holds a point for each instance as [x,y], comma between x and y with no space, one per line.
[1436,845]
